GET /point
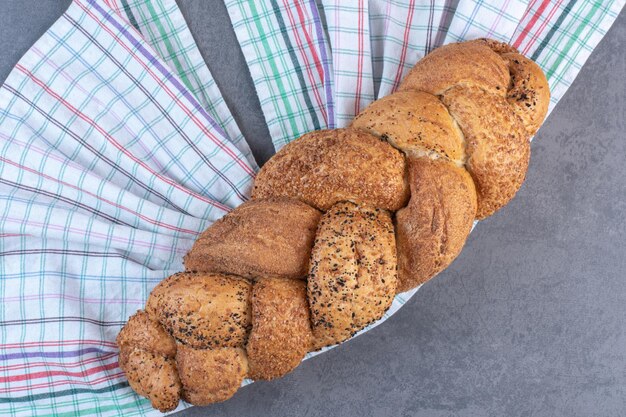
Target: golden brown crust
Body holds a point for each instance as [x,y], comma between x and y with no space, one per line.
[495,143]
[497,46]
[143,333]
[203,310]
[281,329]
[147,359]
[153,376]
[415,122]
[327,166]
[471,105]
[432,229]
[352,278]
[466,63]
[262,237]
[529,93]
[210,375]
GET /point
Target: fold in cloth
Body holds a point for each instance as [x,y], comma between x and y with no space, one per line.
[288,57]
[374,43]
[163,26]
[117,149]
[110,168]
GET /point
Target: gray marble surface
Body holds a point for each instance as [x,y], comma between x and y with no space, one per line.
[530,320]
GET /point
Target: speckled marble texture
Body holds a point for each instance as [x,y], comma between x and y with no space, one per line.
[530,320]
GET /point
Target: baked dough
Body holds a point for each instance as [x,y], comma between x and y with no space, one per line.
[529,94]
[260,238]
[415,122]
[432,229]
[281,328]
[327,166]
[203,310]
[450,146]
[496,144]
[147,358]
[210,375]
[352,278]
[465,64]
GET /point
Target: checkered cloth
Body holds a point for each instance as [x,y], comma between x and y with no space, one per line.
[163,26]
[117,149]
[110,169]
[289,61]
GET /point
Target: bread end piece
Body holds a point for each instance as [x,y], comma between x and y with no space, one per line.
[147,358]
[469,63]
[529,92]
[210,375]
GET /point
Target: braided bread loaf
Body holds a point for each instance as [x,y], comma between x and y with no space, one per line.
[339,222]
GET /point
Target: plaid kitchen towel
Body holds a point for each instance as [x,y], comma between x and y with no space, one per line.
[476,19]
[109,169]
[116,151]
[392,24]
[559,35]
[286,51]
[163,26]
